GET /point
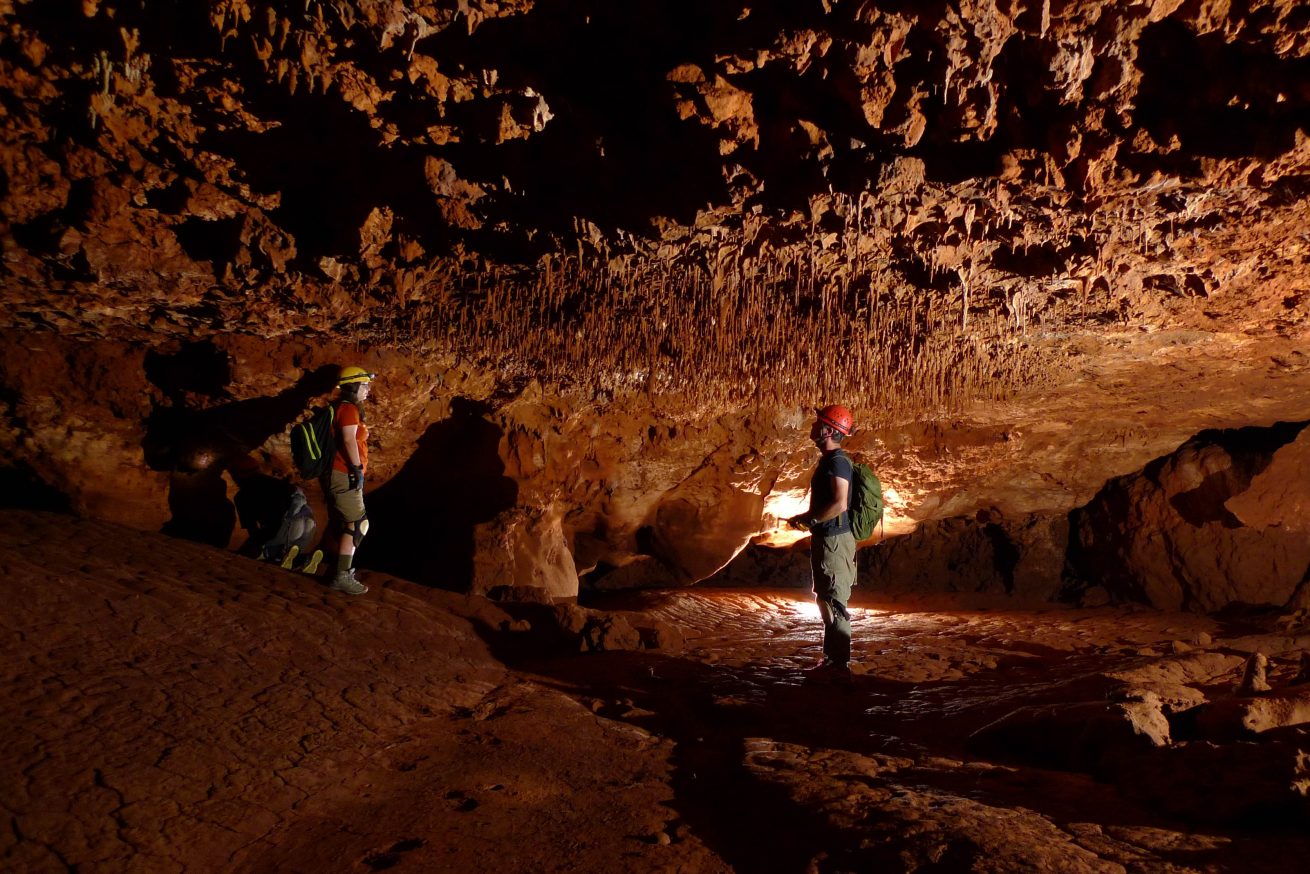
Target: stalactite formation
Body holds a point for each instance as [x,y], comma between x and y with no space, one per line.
[905,207]
[780,331]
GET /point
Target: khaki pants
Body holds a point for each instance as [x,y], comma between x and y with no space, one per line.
[343,501]
[832,561]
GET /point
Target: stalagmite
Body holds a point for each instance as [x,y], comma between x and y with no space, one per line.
[1253,675]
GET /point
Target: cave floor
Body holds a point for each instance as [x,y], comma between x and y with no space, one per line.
[174,707]
[778,773]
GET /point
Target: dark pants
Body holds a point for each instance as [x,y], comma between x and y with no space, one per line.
[296,530]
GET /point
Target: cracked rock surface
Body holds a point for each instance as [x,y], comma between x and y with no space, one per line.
[190,709]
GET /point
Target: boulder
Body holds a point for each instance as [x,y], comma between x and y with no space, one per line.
[1213,783]
[1195,529]
[1233,718]
[703,523]
[524,547]
[1081,736]
[787,568]
[596,631]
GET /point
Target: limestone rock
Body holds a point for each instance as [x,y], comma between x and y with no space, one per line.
[1166,536]
[663,636]
[524,547]
[765,566]
[1303,674]
[1075,736]
[1279,496]
[1217,783]
[986,554]
[1235,718]
[1254,678]
[701,525]
[595,631]
[610,632]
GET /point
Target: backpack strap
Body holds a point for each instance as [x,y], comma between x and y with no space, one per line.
[850,490]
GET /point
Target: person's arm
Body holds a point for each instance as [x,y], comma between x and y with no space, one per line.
[350,451]
[840,489]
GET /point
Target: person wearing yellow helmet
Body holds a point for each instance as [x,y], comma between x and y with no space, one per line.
[343,485]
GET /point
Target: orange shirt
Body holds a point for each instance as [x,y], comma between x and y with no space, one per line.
[348,414]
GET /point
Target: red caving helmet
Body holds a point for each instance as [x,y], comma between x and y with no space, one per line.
[837,416]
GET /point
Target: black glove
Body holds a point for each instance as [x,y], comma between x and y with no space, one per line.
[800,522]
[356,477]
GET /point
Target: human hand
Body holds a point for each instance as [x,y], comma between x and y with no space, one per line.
[800,522]
[356,478]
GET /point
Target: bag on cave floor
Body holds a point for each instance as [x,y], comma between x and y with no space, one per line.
[866,501]
[313,442]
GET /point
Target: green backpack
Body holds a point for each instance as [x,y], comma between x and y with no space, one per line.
[866,501]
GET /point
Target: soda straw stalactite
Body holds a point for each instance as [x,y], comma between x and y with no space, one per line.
[874,311]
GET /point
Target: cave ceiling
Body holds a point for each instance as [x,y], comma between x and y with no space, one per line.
[1091,210]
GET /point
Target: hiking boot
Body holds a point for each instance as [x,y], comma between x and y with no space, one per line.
[828,671]
[345,581]
[824,666]
[290,558]
[311,567]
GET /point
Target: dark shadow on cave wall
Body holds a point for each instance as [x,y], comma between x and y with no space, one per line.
[22,488]
[421,522]
[194,445]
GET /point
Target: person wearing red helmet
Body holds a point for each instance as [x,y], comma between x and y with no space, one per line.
[832,544]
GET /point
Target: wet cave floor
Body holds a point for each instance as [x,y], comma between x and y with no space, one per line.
[779,772]
[176,707]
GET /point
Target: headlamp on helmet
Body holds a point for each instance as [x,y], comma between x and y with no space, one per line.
[354,375]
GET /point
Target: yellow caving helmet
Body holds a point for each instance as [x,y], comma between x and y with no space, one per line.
[353,374]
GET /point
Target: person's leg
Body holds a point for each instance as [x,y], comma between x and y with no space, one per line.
[820,587]
[305,541]
[280,542]
[836,631]
[832,609]
[301,533]
[349,504]
[829,617]
[838,563]
[832,561]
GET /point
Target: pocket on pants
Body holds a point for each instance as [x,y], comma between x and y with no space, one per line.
[838,563]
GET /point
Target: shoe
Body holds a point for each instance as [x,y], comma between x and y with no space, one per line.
[290,558]
[311,567]
[829,672]
[345,581]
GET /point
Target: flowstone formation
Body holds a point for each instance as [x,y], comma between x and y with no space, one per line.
[1034,245]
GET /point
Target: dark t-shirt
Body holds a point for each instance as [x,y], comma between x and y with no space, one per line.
[834,464]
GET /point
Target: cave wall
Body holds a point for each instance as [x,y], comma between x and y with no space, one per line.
[472,484]
[1020,560]
[476,483]
[1217,523]
[607,256]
